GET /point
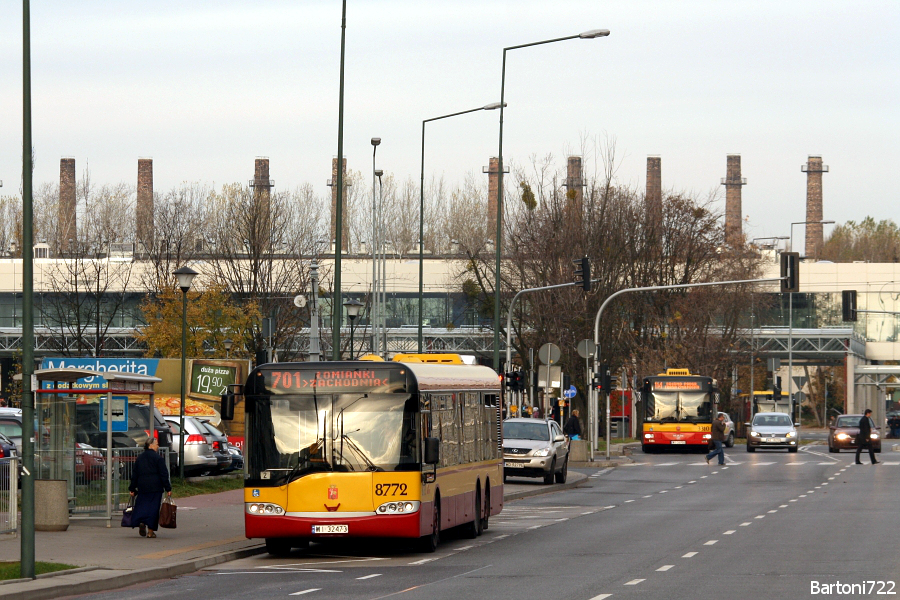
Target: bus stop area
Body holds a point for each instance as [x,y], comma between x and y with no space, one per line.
[210,532]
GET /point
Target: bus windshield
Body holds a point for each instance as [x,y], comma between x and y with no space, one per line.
[297,435]
[679,407]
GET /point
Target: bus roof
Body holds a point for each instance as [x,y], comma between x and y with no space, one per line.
[430,376]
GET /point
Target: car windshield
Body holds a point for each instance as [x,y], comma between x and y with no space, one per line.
[526,431]
[772,421]
[11,428]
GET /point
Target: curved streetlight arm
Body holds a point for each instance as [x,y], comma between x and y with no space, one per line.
[492,106]
[653,288]
[510,312]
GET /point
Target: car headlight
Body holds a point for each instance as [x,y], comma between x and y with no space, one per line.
[874,436]
[754,434]
[842,436]
[542,452]
[790,434]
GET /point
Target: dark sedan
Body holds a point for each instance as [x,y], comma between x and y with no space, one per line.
[842,435]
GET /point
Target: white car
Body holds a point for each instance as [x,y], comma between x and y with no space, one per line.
[535,448]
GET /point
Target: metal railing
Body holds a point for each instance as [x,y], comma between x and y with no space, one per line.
[9,492]
[89,497]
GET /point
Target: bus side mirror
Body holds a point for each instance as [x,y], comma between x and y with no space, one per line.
[227,408]
[432,451]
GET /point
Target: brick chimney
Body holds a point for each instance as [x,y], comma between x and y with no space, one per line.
[68,221]
[262,188]
[144,212]
[493,192]
[815,238]
[345,217]
[653,193]
[733,183]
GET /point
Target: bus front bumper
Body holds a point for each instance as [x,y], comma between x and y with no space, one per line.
[371,525]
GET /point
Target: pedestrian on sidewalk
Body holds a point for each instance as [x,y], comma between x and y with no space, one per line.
[573,426]
[149,478]
[718,439]
[864,437]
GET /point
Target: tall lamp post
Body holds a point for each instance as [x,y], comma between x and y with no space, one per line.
[353,307]
[373,321]
[228,343]
[791,330]
[185,276]
[498,242]
[339,209]
[493,106]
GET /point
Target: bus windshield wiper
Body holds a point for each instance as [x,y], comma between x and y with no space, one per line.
[370,466]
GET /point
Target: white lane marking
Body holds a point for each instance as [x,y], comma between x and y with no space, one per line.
[650,496]
[692,481]
[892,463]
[370,576]
[689,555]
[563,519]
[714,472]
[678,487]
[760,517]
[666,465]
[306,591]
[774,510]
[793,500]
[601,597]
[590,512]
[535,527]
[465,547]
[745,524]
[729,532]
[500,537]
[664,491]
[710,542]
[782,506]
[826,464]
[424,560]
[824,483]
[665,567]
[810,491]
[723,468]
[634,582]
[608,507]
[802,496]
[627,501]
[831,479]
[704,476]
[795,463]
[763,463]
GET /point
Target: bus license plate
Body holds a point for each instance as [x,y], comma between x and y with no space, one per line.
[514,465]
[330,528]
[678,441]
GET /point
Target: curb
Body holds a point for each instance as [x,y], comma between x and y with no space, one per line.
[541,491]
[127,579]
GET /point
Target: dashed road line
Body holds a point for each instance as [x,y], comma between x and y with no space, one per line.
[690,555]
[745,524]
[729,532]
[309,591]
[601,597]
[710,543]
[373,575]
[634,581]
[665,567]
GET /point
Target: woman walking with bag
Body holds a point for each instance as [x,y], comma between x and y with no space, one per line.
[148,480]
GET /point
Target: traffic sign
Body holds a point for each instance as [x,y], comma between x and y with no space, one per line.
[119,412]
[549,354]
[569,393]
[586,348]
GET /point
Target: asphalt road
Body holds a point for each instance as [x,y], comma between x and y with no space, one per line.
[767,525]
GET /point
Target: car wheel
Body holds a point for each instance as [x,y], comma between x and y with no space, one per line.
[794,449]
[750,448]
[729,443]
[430,542]
[646,449]
[564,473]
[832,450]
[278,546]
[548,477]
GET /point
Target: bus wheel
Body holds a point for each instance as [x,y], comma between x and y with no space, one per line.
[429,543]
[473,528]
[278,546]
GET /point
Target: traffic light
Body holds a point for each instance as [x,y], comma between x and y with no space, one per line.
[790,272]
[566,382]
[848,305]
[601,379]
[776,389]
[509,380]
[583,272]
[515,381]
[613,382]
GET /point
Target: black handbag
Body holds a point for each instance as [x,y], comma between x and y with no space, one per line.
[167,513]
[711,444]
[128,512]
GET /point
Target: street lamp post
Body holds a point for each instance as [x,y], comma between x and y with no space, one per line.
[493,106]
[373,321]
[339,209]
[353,307]
[228,343]
[498,242]
[185,276]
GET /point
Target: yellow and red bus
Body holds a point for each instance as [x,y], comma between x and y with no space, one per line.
[369,449]
[678,410]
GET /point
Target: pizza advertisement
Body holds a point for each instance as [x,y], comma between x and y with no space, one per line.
[171,406]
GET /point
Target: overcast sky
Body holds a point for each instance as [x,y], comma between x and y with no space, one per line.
[204,87]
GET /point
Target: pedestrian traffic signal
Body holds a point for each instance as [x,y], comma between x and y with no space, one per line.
[790,272]
[613,382]
[583,272]
[515,381]
[848,305]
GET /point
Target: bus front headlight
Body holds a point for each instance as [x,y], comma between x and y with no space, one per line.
[264,508]
[398,508]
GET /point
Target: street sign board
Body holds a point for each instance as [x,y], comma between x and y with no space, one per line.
[119,411]
[569,393]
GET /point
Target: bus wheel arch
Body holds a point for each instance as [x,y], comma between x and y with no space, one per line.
[429,542]
[487,505]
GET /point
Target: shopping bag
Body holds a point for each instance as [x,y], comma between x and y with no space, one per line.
[711,445]
[126,514]
[167,513]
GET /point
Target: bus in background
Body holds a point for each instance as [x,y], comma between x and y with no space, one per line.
[678,410]
[369,449]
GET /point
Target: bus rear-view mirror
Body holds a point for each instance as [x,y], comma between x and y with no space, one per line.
[432,451]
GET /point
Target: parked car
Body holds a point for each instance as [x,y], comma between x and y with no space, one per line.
[535,448]
[219,446]
[198,453]
[772,430]
[237,457]
[11,427]
[7,447]
[90,465]
[87,418]
[842,435]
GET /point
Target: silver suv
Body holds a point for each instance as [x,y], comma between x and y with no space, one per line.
[198,452]
[535,448]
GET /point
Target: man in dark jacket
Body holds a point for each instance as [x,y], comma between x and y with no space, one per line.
[149,478]
[573,425]
[718,438]
[864,437]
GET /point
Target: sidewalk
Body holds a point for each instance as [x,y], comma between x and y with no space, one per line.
[210,531]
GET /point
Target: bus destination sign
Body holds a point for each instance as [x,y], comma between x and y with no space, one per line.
[674,385]
[326,380]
